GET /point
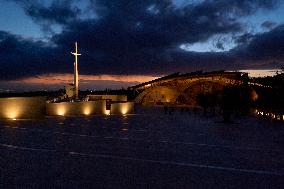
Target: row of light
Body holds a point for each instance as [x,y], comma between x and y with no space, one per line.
[14,112]
[260,85]
[87,111]
[272,115]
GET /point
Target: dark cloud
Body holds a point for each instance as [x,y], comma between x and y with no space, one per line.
[137,37]
[244,39]
[47,14]
[268,24]
[220,45]
[24,57]
[58,12]
[266,46]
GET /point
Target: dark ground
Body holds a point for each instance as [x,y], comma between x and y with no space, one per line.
[150,150]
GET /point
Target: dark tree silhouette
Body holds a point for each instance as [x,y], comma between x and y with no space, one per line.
[203,101]
[235,100]
[270,99]
[208,100]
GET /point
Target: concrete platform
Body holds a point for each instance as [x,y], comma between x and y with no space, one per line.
[149,150]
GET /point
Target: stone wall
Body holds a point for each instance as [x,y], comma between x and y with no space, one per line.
[22,107]
[122,108]
[97,107]
[36,107]
[77,108]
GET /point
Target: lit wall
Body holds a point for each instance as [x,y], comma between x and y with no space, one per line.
[157,94]
[88,108]
[122,108]
[22,107]
[77,108]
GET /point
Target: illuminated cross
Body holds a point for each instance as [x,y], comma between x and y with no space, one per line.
[76,54]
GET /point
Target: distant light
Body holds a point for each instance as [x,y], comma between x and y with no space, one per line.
[13,113]
[273,116]
[14,119]
[61,111]
[261,73]
[107,112]
[87,111]
[254,95]
[124,110]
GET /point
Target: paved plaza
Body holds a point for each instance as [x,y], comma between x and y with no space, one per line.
[144,150]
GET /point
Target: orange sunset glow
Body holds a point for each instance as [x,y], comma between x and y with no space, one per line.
[58,78]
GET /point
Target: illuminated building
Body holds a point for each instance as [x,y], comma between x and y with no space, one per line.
[183,88]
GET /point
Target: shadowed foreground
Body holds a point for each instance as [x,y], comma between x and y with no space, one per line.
[141,151]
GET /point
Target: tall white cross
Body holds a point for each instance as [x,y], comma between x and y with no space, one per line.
[76,54]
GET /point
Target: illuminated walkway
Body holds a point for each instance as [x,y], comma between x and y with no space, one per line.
[140,151]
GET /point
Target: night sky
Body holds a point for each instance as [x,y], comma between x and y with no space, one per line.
[124,42]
